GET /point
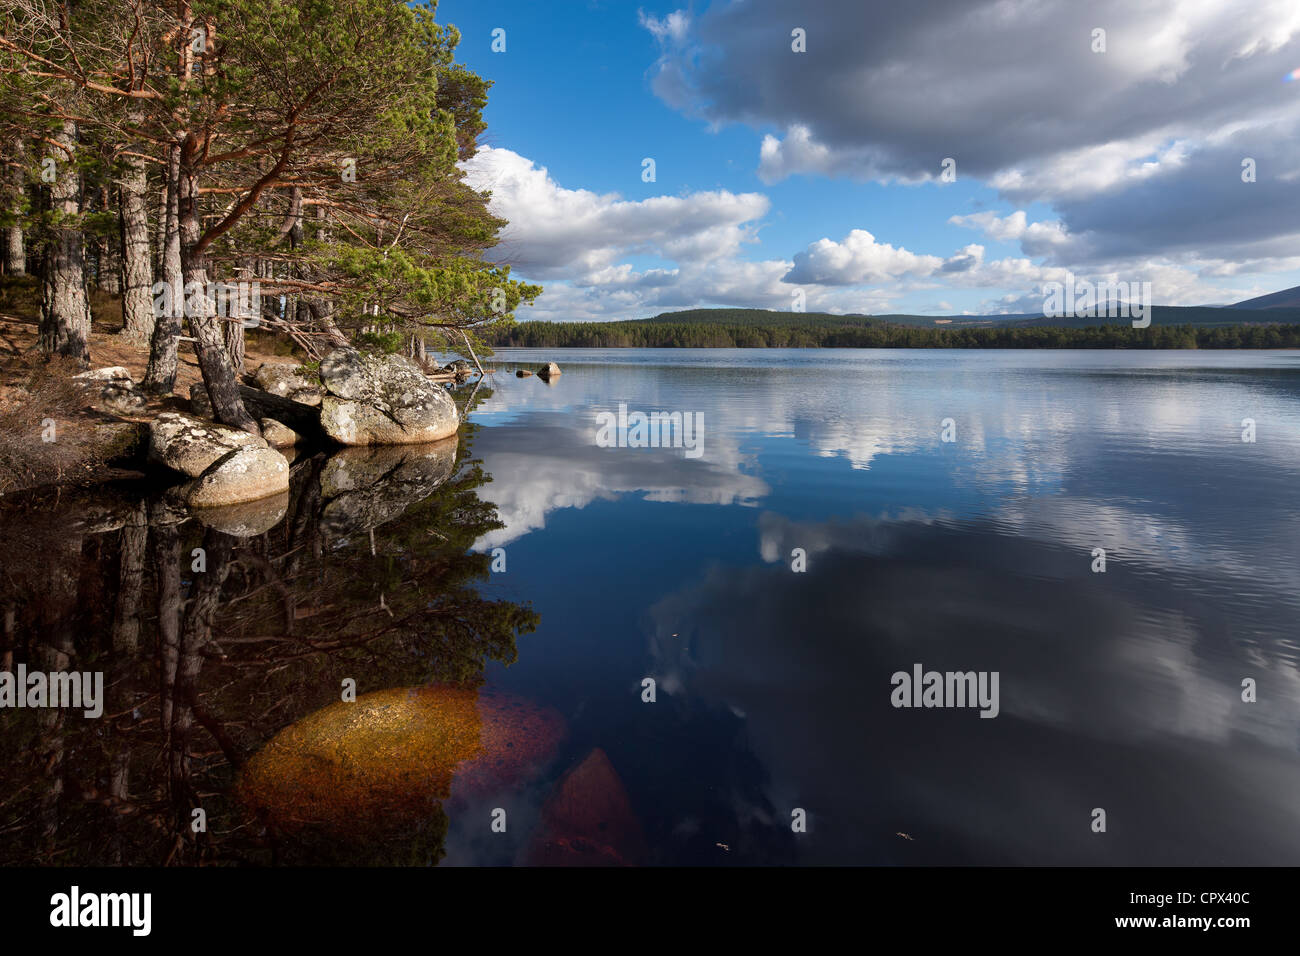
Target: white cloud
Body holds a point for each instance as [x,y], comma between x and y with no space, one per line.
[558,232]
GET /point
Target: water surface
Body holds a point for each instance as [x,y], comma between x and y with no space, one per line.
[501,600]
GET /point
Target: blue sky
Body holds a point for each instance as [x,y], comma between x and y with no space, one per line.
[818,173]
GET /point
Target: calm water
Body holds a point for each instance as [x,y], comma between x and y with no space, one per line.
[1120,691]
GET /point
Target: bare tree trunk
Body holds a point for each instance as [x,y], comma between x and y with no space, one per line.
[137,271]
[160,376]
[214,362]
[15,255]
[65,310]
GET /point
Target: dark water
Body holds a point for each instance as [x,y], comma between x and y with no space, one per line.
[1119,691]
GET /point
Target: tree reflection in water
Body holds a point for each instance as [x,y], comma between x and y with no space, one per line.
[363,572]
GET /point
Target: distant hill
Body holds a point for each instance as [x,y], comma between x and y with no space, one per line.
[1286,299]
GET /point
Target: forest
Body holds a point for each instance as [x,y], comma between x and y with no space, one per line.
[822,334]
[305,150]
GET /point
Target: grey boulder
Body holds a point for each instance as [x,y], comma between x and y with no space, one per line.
[186,444]
[383,400]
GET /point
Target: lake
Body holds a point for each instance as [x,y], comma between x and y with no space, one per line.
[568,648]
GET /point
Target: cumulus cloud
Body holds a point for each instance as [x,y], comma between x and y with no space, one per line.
[559,232]
[1139,148]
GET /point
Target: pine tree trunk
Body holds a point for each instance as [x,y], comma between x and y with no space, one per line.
[137,270]
[160,376]
[15,254]
[65,310]
[214,362]
[234,336]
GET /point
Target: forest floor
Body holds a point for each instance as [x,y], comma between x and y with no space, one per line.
[38,399]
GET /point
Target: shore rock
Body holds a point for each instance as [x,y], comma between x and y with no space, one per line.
[279,435]
[283,379]
[111,390]
[243,475]
[188,445]
[459,368]
[110,373]
[383,400]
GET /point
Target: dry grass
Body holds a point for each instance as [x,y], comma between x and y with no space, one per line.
[45,435]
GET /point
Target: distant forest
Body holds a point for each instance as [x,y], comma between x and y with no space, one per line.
[836,332]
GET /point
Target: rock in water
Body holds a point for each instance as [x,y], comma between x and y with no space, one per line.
[459,368]
[393,754]
[245,474]
[188,445]
[522,373]
[383,400]
[548,371]
[588,820]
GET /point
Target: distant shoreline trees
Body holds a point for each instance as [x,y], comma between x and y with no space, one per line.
[658,334]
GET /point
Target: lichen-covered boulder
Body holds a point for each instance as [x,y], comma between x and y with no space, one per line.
[245,474]
[189,445]
[111,390]
[383,400]
[285,380]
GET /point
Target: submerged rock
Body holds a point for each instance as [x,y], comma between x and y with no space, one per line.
[245,474]
[189,445]
[393,754]
[383,400]
[588,820]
